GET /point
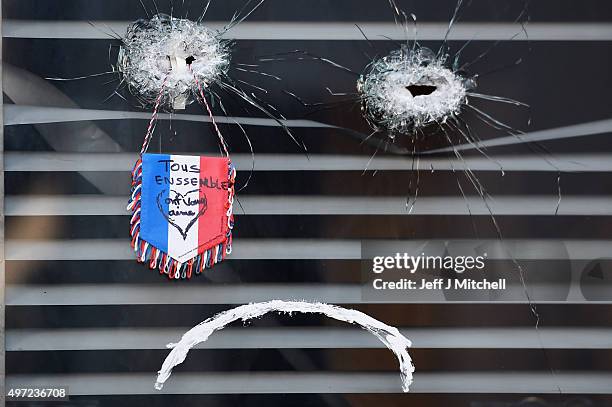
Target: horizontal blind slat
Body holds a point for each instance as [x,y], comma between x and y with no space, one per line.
[309,338]
[24,114]
[162,294]
[592,162]
[101,205]
[559,133]
[313,30]
[290,249]
[575,382]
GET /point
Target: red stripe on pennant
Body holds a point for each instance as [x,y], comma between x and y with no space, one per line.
[212,224]
[202,235]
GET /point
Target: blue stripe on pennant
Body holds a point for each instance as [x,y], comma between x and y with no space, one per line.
[154,226]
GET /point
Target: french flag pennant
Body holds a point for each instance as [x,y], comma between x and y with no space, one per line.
[182,216]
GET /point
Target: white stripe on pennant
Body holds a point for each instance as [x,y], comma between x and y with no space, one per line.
[180,247]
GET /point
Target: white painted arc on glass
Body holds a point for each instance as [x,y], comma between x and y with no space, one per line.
[388,335]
